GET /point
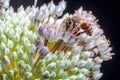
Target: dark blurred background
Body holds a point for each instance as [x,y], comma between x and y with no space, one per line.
[107,11]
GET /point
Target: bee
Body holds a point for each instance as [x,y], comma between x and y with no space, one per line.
[87,28]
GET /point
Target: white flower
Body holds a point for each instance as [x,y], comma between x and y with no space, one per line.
[98,60]
[76,50]
[84,71]
[62,4]
[86,54]
[96,67]
[60,8]
[97,75]
[40,15]
[51,8]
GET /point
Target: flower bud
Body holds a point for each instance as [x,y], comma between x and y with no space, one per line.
[96,67]
[81,77]
[62,4]
[40,15]
[51,8]
[59,11]
[11,33]
[28,75]
[31,62]
[76,50]
[10,44]
[86,54]
[97,75]
[60,8]
[18,30]
[25,40]
[98,60]
[4,77]
[51,66]
[1,68]
[6,60]
[84,71]
[25,57]
[11,73]
[5,3]
[21,64]
[14,56]
[3,37]
[73,77]
[52,74]
[20,53]
[75,70]
[27,68]
[45,74]
[62,74]
[16,37]
[6,51]
[2,45]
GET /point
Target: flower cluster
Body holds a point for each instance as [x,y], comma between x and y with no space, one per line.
[36,44]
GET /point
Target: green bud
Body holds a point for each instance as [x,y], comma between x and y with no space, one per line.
[45,74]
[28,75]
[21,64]
[10,44]
[11,73]
[52,74]
[14,56]
[81,77]
[11,33]
[6,60]
[27,68]
[2,45]
[4,77]
[6,51]
[51,66]
[60,55]
[20,53]
[84,71]
[3,37]
[0,68]
[31,62]
[75,70]
[62,74]
[73,77]
[16,37]
[25,57]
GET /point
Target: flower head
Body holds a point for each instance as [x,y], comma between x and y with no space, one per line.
[36,44]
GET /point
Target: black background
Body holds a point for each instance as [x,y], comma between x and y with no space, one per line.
[107,11]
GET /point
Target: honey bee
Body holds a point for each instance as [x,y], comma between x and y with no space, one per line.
[87,28]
